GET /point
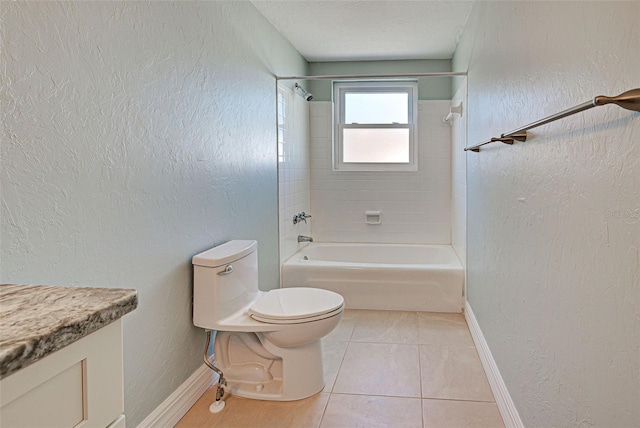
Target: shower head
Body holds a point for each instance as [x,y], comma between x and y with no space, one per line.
[306,95]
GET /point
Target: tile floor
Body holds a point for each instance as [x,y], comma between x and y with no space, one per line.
[382,369]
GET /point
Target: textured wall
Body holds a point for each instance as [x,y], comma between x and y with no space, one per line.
[135,135]
[416,205]
[553,227]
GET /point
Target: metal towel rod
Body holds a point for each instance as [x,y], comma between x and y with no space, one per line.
[629,100]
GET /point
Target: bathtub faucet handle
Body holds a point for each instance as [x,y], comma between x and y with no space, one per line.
[300,217]
[302,238]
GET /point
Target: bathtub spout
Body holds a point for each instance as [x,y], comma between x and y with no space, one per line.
[302,238]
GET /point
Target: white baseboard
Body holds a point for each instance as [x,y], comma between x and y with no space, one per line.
[505,404]
[171,410]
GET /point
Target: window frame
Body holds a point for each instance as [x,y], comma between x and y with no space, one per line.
[340,89]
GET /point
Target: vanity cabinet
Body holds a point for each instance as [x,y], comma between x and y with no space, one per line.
[61,356]
[79,385]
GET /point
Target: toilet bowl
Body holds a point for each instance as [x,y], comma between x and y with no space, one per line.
[267,343]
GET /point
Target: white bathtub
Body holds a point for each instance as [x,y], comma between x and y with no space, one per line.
[381,276]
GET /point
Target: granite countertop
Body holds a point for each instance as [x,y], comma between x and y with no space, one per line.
[38,320]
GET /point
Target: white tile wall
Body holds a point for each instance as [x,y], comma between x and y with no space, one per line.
[416,206]
[293,168]
[459,176]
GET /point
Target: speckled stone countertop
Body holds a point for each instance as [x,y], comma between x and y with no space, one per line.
[38,320]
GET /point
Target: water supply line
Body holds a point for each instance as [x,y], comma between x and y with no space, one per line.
[218,405]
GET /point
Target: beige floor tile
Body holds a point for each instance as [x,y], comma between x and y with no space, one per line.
[453,373]
[376,373]
[441,329]
[368,411]
[380,369]
[244,413]
[199,415]
[332,355]
[386,327]
[342,333]
[461,414]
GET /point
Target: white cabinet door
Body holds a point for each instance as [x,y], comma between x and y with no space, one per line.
[79,385]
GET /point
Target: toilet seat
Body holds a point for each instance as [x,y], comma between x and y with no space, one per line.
[296,305]
[300,320]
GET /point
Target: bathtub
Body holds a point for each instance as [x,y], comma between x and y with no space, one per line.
[381,276]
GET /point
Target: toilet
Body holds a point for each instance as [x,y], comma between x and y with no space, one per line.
[267,343]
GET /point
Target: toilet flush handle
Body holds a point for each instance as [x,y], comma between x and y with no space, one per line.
[227,270]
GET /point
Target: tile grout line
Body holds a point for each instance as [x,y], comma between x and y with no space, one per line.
[403,343]
[376,395]
[324,411]
[339,367]
[457,399]
[411,398]
[420,371]
[334,381]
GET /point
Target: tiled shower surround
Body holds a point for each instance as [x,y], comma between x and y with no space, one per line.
[459,176]
[293,168]
[415,206]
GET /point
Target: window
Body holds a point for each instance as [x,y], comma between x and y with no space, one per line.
[283,111]
[375,126]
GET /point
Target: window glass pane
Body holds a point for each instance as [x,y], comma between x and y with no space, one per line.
[375,145]
[382,107]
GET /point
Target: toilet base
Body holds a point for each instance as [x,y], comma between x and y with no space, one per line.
[270,373]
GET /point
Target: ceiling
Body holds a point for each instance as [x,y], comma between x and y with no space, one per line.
[328,30]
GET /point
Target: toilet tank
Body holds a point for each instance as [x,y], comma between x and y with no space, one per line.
[225,280]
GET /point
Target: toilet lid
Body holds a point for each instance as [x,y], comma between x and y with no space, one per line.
[295,303]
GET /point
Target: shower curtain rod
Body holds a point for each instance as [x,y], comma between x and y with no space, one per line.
[629,100]
[373,76]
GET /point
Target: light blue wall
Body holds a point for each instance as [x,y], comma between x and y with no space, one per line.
[429,88]
[464,49]
[553,231]
[135,135]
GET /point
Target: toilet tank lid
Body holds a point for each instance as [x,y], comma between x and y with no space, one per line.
[225,253]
